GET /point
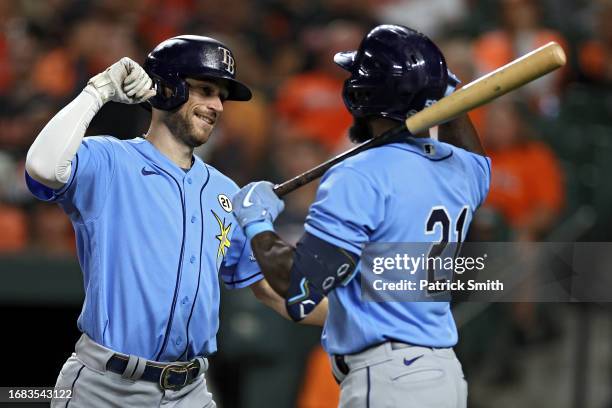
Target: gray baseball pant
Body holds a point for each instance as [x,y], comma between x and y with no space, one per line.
[397,375]
[93,386]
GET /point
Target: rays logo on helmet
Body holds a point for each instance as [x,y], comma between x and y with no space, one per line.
[228,60]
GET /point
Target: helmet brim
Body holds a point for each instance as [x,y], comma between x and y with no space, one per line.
[237,91]
[345,59]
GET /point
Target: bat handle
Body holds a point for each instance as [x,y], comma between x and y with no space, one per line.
[288,186]
[296,182]
[280,189]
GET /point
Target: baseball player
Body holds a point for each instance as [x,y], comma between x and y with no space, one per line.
[388,354]
[154,228]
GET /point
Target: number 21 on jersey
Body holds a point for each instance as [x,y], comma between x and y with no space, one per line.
[440,219]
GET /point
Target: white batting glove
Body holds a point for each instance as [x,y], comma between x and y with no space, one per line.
[125,81]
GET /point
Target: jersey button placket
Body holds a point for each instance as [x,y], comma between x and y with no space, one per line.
[190,263]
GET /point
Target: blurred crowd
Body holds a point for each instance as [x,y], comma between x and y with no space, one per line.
[550,141]
[284,50]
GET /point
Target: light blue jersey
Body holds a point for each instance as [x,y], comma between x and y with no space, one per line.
[389,194]
[152,240]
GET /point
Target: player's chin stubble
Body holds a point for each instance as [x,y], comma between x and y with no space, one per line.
[183,129]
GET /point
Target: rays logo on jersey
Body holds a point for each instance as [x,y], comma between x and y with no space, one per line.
[223,236]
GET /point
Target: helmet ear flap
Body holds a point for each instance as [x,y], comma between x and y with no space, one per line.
[170,94]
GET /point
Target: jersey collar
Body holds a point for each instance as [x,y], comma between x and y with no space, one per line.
[198,170]
[426,147]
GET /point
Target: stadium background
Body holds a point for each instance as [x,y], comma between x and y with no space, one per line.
[551,146]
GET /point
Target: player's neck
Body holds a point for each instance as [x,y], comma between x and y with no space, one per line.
[177,151]
[380,126]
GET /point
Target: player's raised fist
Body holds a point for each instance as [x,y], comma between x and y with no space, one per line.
[125,81]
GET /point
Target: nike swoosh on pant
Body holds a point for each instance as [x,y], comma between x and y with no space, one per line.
[412,360]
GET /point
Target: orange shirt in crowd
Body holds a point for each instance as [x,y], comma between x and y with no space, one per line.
[5,71]
[497,48]
[524,178]
[320,389]
[55,74]
[163,19]
[313,103]
[595,60]
[14,227]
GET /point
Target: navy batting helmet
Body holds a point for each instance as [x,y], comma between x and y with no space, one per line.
[191,56]
[395,73]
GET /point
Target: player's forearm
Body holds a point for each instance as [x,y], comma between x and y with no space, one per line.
[275,258]
[461,133]
[266,295]
[318,316]
[50,156]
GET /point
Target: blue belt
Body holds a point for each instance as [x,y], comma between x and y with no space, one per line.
[168,376]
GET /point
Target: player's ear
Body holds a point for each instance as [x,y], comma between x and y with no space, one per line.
[167,92]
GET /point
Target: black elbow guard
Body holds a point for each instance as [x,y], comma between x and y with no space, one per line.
[324,265]
[318,268]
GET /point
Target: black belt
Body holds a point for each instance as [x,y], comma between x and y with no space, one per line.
[344,368]
[168,376]
[341,364]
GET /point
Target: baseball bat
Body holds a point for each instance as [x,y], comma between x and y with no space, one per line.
[478,92]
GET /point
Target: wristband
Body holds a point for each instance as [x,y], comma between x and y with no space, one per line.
[256,228]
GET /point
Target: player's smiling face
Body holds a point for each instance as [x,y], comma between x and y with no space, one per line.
[196,118]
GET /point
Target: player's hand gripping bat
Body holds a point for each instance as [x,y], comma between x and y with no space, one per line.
[484,89]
